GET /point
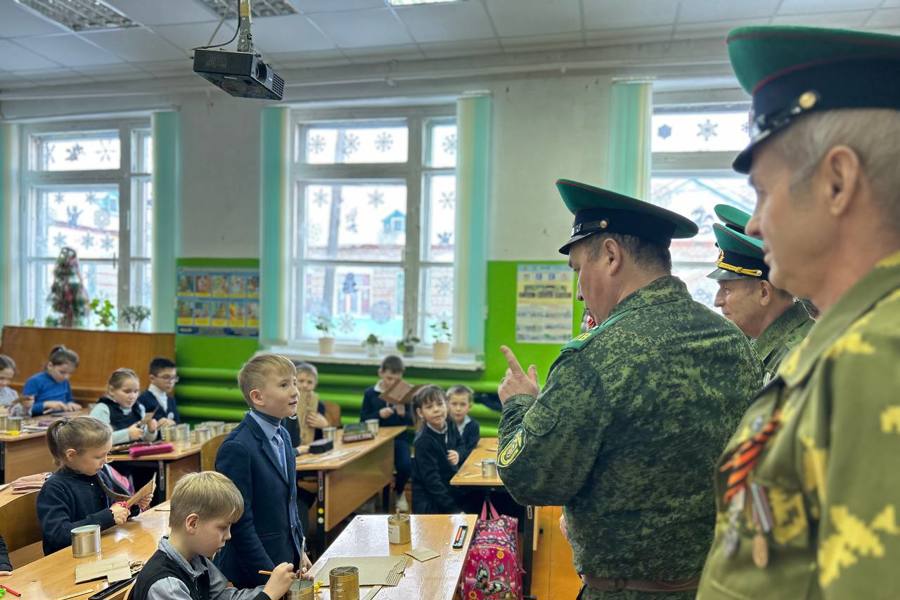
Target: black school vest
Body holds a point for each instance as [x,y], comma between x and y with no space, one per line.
[161,566]
[117,419]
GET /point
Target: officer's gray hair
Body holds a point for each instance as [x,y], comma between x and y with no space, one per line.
[874,134]
[645,254]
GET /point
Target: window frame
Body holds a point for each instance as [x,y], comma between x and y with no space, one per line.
[126,178]
[413,173]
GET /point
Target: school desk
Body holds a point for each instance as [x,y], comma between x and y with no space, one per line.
[435,579]
[470,475]
[171,466]
[348,475]
[27,453]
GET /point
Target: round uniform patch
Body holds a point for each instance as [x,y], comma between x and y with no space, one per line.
[510,452]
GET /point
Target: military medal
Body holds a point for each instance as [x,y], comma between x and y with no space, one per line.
[732,541]
[760,550]
[762,519]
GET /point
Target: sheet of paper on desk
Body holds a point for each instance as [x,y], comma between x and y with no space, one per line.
[147,490]
[422,554]
[114,569]
[373,570]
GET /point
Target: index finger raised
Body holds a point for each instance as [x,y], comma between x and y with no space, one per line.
[512,361]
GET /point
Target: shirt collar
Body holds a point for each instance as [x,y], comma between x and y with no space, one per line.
[438,431]
[775,333]
[157,393]
[195,568]
[269,425]
[461,426]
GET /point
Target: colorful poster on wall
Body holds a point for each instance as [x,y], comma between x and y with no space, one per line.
[218,302]
[543,304]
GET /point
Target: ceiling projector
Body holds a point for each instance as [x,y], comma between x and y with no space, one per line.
[241,73]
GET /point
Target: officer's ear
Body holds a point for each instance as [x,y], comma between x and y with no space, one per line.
[613,255]
[766,292]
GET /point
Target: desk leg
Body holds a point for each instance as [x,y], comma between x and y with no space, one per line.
[320,515]
[528,550]
[161,468]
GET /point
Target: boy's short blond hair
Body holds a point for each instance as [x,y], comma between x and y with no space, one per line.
[461,390]
[255,371]
[209,495]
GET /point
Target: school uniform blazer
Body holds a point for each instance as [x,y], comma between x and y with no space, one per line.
[261,539]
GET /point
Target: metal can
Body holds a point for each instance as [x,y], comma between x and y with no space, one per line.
[372,426]
[488,468]
[302,589]
[168,433]
[182,433]
[344,583]
[399,530]
[328,433]
[86,541]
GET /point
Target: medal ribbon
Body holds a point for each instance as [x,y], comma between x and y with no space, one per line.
[744,458]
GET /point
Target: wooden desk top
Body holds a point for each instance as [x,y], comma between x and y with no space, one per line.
[54,576]
[18,437]
[470,473]
[435,579]
[343,454]
[180,451]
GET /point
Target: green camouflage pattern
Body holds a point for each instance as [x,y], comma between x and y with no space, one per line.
[626,431]
[830,470]
[779,338]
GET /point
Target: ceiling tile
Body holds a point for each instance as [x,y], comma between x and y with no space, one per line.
[314,6]
[291,33]
[468,48]
[163,12]
[191,35]
[628,35]
[136,44]
[831,19]
[18,21]
[812,7]
[69,50]
[48,76]
[543,42]
[16,58]
[890,3]
[363,28]
[447,22]
[716,29]
[885,18]
[613,14]
[702,11]
[534,17]
[361,55]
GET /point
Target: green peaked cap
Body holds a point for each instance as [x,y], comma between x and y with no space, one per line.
[740,255]
[733,217]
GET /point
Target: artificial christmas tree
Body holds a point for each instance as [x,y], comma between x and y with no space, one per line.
[67,295]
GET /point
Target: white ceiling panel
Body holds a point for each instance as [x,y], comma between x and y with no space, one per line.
[314,6]
[363,28]
[702,11]
[888,18]
[632,35]
[793,7]
[292,33]
[163,12]
[168,67]
[471,47]
[543,42]
[534,17]
[383,52]
[136,45]
[832,19]
[719,28]
[447,22]
[69,50]
[16,58]
[191,35]
[613,14]
[17,21]
[292,60]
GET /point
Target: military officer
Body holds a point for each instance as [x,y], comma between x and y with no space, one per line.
[634,411]
[808,489]
[770,317]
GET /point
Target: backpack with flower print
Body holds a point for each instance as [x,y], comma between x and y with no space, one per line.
[492,570]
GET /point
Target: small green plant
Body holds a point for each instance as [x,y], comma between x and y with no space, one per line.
[29,322]
[105,311]
[324,325]
[372,340]
[134,316]
[440,331]
[51,322]
[407,345]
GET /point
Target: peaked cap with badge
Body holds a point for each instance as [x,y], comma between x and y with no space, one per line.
[732,217]
[740,256]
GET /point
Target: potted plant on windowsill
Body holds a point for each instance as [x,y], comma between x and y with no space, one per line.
[440,331]
[373,345]
[325,327]
[407,345]
[134,316]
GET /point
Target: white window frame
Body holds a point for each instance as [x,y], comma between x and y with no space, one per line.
[123,177]
[412,173]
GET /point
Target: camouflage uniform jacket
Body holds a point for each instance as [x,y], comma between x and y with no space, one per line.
[626,432]
[781,336]
[829,472]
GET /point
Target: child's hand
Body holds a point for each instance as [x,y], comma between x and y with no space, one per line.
[5,573]
[53,405]
[144,503]
[120,513]
[72,406]
[135,432]
[385,412]
[400,409]
[153,425]
[316,421]
[305,566]
[279,581]
[164,423]
[453,457]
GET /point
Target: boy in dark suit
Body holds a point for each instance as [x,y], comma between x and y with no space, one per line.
[258,457]
[459,403]
[158,399]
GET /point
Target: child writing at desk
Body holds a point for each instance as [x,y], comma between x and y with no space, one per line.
[51,389]
[82,491]
[15,405]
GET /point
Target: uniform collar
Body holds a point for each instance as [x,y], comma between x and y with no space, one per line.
[659,291]
[859,299]
[794,317]
[195,568]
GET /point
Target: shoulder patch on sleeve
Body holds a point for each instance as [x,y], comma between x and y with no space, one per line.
[510,452]
[580,341]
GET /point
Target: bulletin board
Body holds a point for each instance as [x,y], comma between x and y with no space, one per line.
[218,302]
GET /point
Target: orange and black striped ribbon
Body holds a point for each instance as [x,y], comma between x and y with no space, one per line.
[744,458]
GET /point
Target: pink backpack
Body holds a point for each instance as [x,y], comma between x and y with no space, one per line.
[492,570]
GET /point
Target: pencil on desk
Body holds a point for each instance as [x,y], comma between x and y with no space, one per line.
[76,594]
[10,590]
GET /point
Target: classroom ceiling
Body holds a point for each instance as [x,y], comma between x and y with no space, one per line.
[37,51]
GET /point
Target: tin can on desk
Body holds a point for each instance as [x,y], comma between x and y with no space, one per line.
[14,424]
[344,583]
[328,433]
[4,423]
[399,530]
[182,434]
[302,589]
[86,541]
[168,433]
[489,468]
[372,426]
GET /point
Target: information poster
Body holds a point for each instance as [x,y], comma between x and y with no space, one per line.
[218,302]
[543,304]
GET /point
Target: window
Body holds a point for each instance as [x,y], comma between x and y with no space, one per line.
[372,222]
[87,187]
[692,153]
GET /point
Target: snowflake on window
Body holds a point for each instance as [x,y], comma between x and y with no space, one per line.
[91,198]
[73,153]
[101,218]
[706,130]
[444,238]
[87,241]
[104,153]
[447,200]
[376,198]
[107,243]
[59,198]
[59,240]
[664,132]
[381,312]
[384,141]
[73,214]
[315,233]
[703,219]
[49,154]
[351,143]
[348,286]
[315,144]
[444,286]
[449,144]
[346,323]
[351,222]
[320,197]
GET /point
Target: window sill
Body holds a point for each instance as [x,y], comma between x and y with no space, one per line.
[350,355]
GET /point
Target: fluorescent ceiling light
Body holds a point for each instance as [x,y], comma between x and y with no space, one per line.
[80,15]
[414,2]
[259,8]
